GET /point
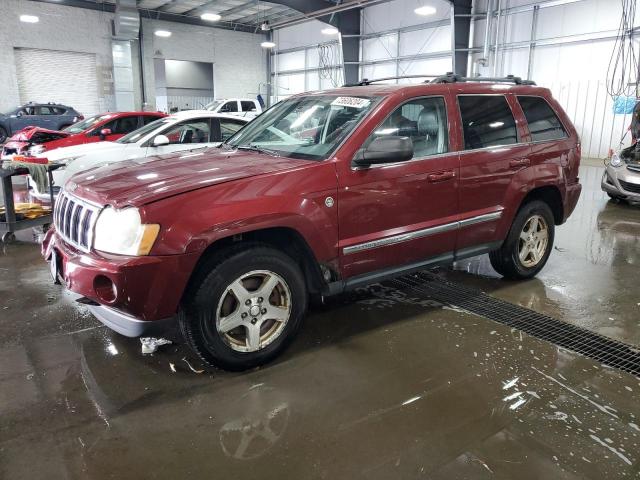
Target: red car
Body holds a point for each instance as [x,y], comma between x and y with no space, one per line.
[106,126]
[231,242]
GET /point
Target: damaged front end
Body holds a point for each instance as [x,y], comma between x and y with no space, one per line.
[30,141]
[621,179]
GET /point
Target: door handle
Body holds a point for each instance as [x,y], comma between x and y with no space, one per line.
[441,176]
[522,162]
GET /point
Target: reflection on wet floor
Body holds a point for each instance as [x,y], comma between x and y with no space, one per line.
[380,384]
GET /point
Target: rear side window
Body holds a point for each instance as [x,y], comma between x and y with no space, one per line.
[248,106]
[543,121]
[487,121]
[146,119]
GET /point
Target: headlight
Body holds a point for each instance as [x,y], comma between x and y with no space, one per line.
[615,161]
[36,150]
[122,232]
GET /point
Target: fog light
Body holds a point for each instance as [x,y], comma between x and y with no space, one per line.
[105,289]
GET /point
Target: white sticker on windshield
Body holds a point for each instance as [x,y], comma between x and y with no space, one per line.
[353,102]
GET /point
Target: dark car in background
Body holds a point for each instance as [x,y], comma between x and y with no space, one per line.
[102,127]
[52,116]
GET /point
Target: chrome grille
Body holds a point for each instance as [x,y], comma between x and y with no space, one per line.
[74,220]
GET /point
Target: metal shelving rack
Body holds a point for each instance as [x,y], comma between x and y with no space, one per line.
[11,225]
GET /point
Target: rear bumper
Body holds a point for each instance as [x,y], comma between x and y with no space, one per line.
[131,291]
[572,195]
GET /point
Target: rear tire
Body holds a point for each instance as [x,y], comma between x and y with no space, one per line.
[529,242]
[244,309]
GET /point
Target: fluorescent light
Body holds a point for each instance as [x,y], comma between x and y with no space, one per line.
[267,44]
[29,19]
[330,31]
[425,10]
[210,17]
[162,33]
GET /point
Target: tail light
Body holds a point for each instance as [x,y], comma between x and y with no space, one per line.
[78,118]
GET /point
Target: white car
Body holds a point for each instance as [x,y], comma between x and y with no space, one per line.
[185,130]
[240,107]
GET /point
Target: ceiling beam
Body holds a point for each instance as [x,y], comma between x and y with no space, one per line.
[153,14]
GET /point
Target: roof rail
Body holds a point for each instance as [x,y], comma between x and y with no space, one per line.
[450,77]
[366,81]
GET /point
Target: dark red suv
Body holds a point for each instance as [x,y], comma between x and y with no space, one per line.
[324,192]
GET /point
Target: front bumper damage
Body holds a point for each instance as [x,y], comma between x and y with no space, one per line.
[622,182]
[132,295]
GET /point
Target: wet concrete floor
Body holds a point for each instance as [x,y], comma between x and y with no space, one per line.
[379,384]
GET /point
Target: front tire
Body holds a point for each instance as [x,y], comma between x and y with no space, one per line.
[529,242]
[246,309]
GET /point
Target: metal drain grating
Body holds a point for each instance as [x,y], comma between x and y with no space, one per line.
[580,340]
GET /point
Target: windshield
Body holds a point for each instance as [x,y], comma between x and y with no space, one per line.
[309,127]
[213,105]
[86,124]
[136,135]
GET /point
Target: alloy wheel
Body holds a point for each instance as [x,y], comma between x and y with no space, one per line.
[533,242]
[253,311]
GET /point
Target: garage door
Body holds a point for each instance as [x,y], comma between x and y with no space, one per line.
[56,76]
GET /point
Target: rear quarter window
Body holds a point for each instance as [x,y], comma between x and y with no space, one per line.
[543,122]
[487,121]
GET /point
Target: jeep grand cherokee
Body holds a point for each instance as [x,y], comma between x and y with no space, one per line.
[324,192]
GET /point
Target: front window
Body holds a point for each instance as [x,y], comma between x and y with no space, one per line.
[213,105]
[86,124]
[424,120]
[309,127]
[191,131]
[136,135]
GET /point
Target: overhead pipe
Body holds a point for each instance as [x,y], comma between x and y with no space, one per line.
[495,54]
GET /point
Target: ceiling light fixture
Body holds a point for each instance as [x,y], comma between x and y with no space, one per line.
[330,31]
[162,33]
[425,10]
[268,44]
[210,17]
[29,19]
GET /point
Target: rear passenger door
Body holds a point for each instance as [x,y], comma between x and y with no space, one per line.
[549,139]
[492,152]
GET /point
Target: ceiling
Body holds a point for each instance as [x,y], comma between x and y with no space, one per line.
[245,14]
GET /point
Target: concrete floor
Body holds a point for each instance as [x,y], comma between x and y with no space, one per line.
[379,384]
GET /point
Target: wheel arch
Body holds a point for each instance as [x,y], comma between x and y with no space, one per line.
[550,194]
[285,239]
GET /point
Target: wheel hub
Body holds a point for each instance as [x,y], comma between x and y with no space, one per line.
[254,310]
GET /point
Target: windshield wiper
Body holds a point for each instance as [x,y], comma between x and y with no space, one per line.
[255,148]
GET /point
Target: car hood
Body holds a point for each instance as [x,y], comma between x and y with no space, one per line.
[144,180]
[65,153]
[28,133]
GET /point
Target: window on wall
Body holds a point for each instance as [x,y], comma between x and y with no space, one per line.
[542,120]
[424,120]
[487,121]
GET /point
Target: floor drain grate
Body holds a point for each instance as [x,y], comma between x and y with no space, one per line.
[593,345]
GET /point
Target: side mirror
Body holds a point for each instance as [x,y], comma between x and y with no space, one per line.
[160,140]
[18,114]
[104,133]
[385,149]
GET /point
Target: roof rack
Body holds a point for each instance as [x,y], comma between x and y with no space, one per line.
[450,77]
[365,81]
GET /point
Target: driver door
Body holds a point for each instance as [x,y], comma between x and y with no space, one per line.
[399,214]
[186,135]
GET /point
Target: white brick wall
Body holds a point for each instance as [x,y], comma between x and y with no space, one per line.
[60,28]
[239,61]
